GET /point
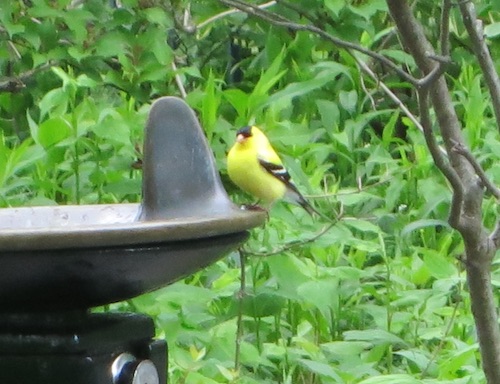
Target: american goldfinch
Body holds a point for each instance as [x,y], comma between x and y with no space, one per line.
[255,167]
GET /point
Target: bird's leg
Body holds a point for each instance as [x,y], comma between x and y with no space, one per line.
[253,207]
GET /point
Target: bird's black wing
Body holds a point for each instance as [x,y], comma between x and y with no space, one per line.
[277,170]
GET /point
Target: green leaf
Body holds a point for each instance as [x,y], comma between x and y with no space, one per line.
[322,294]
[374,336]
[439,265]
[111,44]
[369,8]
[111,126]
[292,90]
[348,100]
[424,223]
[392,379]
[55,101]
[158,16]
[335,6]
[265,302]
[362,225]
[238,100]
[288,272]
[330,114]
[416,356]
[492,30]
[53,131]
[321,369]
[267,80]
[346,348]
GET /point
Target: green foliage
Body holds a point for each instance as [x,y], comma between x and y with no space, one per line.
[379,298]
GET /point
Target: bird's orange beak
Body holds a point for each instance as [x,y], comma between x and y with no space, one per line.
[240,138]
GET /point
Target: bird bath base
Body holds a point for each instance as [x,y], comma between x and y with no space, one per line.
[80,348]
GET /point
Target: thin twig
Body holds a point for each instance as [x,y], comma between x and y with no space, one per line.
[440,160]
[281,21]
[445,28]
[495,236]
[295,243]
[435,73]
[443,340]
[475,30]
[178,81]
[365,68]
[368,94]
[16,83]
[298,10]
[488,184]
[229,12]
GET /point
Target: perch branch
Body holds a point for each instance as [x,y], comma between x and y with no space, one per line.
[475,30]
[295,243]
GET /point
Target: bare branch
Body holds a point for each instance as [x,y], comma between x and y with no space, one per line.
[178,81]
[279,20]
[495,236]
[16,83]
[296,243]
[230,12]
[445,28]
[434,74]
[475,30]
[441,161]
[365,68]
[297,9]
[444,59]
[488,184]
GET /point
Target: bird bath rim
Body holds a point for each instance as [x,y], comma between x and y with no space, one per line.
[105,225]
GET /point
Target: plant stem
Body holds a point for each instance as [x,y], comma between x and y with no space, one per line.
[239,318]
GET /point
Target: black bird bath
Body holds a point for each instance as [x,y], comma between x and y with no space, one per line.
[58,262]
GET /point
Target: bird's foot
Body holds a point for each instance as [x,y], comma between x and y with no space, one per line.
[253,207]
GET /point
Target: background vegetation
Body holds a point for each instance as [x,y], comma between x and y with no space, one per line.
[379,297]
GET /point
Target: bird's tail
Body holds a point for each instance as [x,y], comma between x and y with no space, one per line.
[311,210]
[295,196]
[308,207]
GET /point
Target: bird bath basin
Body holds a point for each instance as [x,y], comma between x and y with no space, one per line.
[56,262]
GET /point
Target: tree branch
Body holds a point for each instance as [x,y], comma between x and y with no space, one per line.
[16,83]
[440,160]
[479,250]
[279,20]
[495,236]
[475,30]
[445,28]
[488,184]
[230,12]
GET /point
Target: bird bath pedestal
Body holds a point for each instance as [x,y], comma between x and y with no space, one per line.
[58,262]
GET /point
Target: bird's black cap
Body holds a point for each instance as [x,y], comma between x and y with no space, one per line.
[245,131]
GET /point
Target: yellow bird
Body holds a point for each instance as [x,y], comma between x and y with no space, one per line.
[255,167]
